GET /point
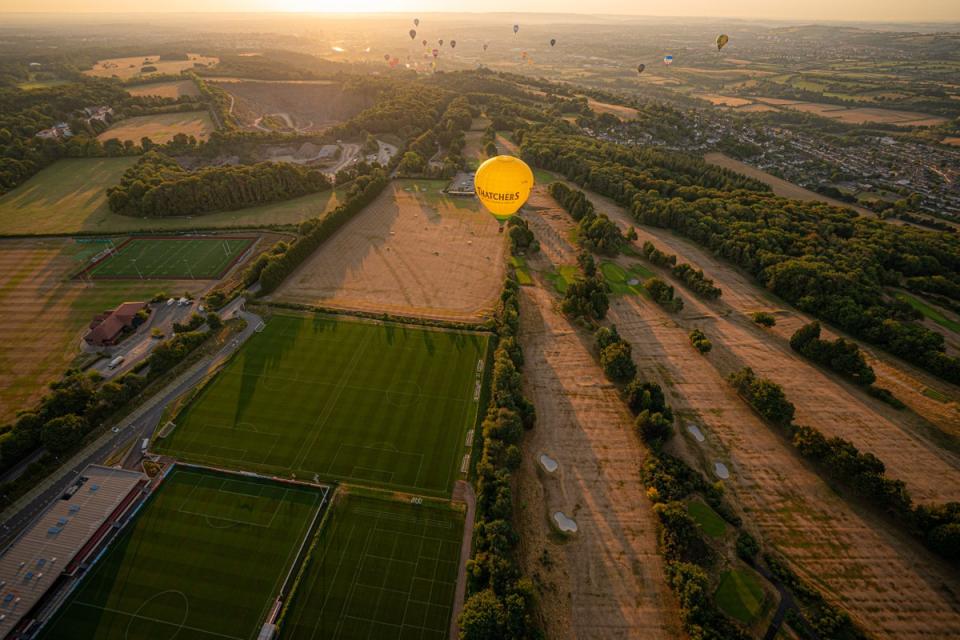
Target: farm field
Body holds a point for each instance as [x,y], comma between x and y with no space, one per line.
[412,251]
[176,258]
[127,68]
[173,89]
[161,128]
[847,553]
[201,536]
[624,113]
[70,197]
[46,312]
[857,115]
[381,569]
[318,396]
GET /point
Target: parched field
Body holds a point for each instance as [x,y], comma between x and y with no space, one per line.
[203,560]
[412,251]
[381,569]
[173,89]
[126,68]
[624,113]
[384,404]
[70,196]
[162,127]
[45,312]
[857,115]
[848,553]
[176,258]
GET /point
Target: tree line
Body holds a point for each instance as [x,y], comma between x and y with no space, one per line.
[824,260]
[501,599]
[863,474]
[595,232]
[158,186]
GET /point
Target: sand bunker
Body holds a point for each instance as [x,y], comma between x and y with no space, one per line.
[721,470]
[695,432]
[566,524]
[548,463]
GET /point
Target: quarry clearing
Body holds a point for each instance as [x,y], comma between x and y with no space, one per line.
[412,251]
[161,128]
[859,561]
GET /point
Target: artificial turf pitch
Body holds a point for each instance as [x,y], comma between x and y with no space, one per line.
[381,569]
[383,404]
[203,560]
[178,258]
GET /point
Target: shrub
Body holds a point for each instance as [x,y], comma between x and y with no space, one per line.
[700,342]
[764,318]
[617,362]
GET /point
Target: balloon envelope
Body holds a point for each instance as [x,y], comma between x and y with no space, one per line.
[423,42]
[485,46]
[416,22]
[641,67]
[453,44]
[722,39]
[503,184]
[440,42]
[413,33]
[386,57]
[436,52]
[667,59]
[553,41]
[516,28]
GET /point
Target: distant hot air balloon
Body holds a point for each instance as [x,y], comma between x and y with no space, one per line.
[440,42]
[503,184]
[640,68]
[485,45]
[516,28]
[523,54]
[668,60]
[436,52]
[453,44]
[722,40]
[394,62]
[386,57]
[424,42]
[416,22]
[553,41]
[413,33]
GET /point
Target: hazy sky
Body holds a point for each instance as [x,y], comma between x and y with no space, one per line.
[865,10]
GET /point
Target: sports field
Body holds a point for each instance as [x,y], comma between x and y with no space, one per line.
[384,570]
[382,404]
[170,258]
[203,560]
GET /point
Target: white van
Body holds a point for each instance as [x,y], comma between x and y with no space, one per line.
[116,362]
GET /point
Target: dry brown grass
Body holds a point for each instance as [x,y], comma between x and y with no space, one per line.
[726,101]
[859,115]
[607,580]
[412,251]
[875,574]
[955,141]
[126,68]
[161,128]
[624,113]
[174,89]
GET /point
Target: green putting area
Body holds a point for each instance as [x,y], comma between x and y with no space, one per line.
[708,519]
[337,399]
[625,281]
[740,595]
[204,559]
[170,258]
[380,569]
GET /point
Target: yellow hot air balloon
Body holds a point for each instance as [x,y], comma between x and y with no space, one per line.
[722,39]
[503,184]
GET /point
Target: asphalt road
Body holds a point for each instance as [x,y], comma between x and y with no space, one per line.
[135,427]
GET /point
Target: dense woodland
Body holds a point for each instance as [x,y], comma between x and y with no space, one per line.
[824,260]
[158,186]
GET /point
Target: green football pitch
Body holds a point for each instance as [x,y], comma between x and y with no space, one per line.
[381,569]
[204,560]
[170,258]
[373,403]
